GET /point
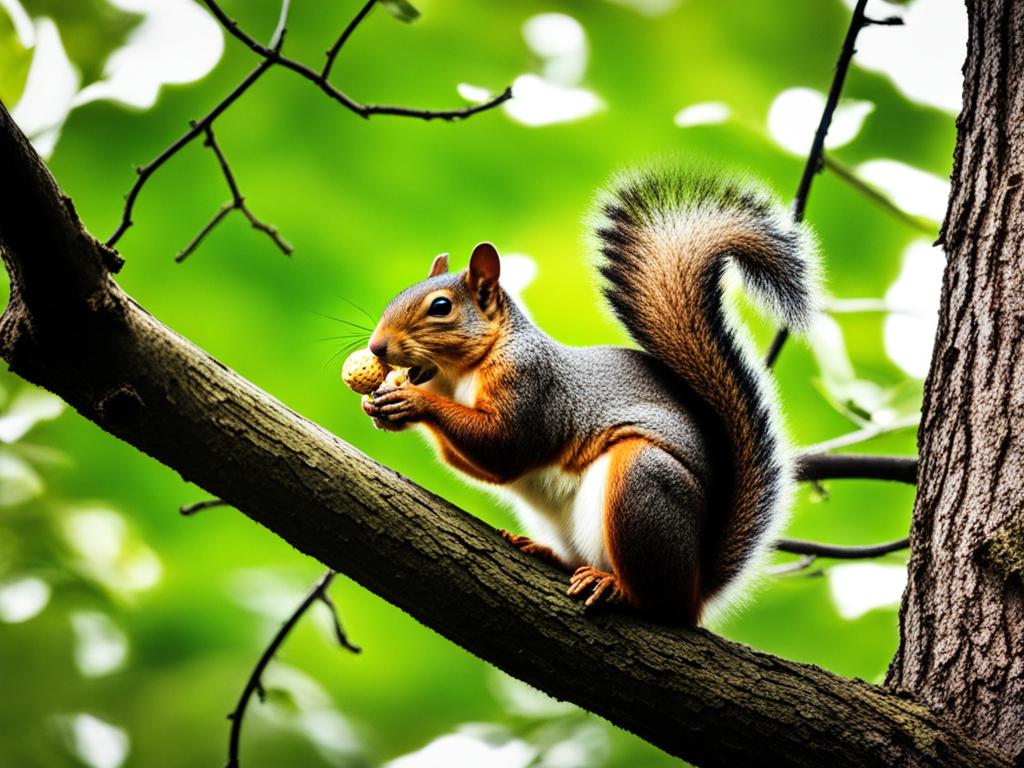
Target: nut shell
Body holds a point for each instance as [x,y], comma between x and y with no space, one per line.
[363,371]
[397,377]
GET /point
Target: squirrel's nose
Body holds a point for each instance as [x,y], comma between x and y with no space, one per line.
[379,347]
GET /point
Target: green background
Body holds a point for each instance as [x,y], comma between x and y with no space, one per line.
[367,204]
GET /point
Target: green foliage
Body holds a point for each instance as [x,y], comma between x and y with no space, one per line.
[90,30]
[367,204]
[14,62]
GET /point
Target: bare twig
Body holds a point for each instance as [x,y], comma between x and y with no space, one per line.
[836,552]
[254,684]
[890,21]
[197,127]
[190,509]
[332,54]
[815,160]
[802,564]
[271,55]
[869,432]
[812,467]
[237,202]
[320,80]
[851,178]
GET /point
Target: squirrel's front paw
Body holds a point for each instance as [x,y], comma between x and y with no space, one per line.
[394,406]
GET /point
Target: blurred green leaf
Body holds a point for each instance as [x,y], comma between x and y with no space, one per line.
[281,697]
[90,30]
[18,481]
[402,10]
[14,62]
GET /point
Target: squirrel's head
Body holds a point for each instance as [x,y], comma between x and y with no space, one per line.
[446,322]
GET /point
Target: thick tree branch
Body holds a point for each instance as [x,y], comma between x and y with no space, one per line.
[71,329]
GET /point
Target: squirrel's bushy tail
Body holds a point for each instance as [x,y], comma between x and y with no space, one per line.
[665,238]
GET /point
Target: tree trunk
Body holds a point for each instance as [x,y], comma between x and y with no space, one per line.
[962,620]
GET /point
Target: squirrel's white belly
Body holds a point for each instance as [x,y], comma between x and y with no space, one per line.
[565,511]
[559,509]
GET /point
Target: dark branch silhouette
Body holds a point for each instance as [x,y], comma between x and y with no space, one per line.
[254,684]
[335,49]
[188,510]
[320,80]
[837,552]
[838,466]
[271,55]
[196,129]
[815,158]
[877,197]
[237,203]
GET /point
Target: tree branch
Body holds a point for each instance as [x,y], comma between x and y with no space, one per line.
[319,79]
[335,49]
[272,55]
[237,203]
[70,328]
[255,682]
[824,466]
[196,128]
[815,158]
[836,552]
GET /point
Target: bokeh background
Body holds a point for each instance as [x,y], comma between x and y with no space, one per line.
[128,631]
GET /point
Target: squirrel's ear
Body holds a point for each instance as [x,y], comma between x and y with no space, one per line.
[484,270]
[440,265]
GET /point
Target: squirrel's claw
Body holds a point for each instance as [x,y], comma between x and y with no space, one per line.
[603,586]
[529,547]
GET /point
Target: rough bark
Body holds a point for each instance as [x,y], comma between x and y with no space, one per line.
[71,329]
[962,619]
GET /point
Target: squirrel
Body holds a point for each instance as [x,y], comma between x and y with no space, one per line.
[656,477]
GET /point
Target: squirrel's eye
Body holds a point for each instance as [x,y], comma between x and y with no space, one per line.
[439,307]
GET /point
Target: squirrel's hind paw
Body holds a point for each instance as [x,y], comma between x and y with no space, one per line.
[603,587]
[530,547]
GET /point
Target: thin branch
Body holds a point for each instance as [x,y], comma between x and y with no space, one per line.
[812,467]
[190,509]
[237,202]
[876,196]
[272,55]
[319,80]
[218,217]
[332,54]
[869,432]
[197,127]
[815,159]
[339,631]
[254,684]
[784,569]
[775,349]
[889,21]
[836,552]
